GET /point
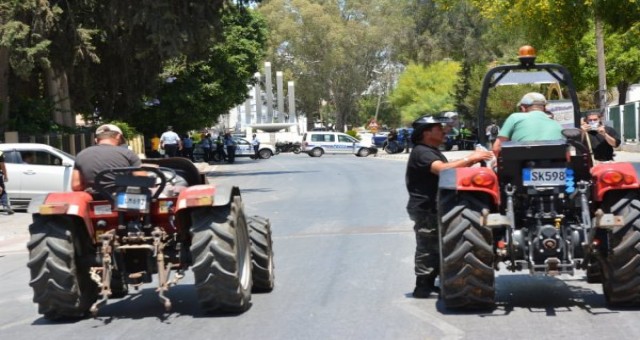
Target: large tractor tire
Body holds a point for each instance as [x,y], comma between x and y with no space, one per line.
[221,255]
[467,276]
[621,266]
[261,254]
[61,288]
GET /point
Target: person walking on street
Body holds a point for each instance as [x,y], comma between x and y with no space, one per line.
[187,146]
[205,144]
[423,172]
[405,139]
[155,146]
[222,156]
[231,147]
[4,177]
[170,142]
[255,142]
[602,138]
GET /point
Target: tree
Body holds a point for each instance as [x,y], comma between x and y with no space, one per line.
[425,90]
[198,92]
[332,49]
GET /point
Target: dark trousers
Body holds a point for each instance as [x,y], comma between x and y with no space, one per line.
[256,148]
[171,150]
[4,198]
[427,256]
[231,153]
[188,153]
[206,154]
[221,154]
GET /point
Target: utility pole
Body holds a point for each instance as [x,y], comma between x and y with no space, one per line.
[602,73]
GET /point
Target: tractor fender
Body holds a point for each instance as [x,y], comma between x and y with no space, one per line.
[73,203]
[206,195]
[614,176]
[471,179]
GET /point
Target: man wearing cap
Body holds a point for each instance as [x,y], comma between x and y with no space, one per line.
[423,172]
[108,153]
[170,142]
[531,124]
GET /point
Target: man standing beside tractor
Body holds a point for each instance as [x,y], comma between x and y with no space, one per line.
[422,175]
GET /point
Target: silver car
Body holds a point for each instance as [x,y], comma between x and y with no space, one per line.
[35,169]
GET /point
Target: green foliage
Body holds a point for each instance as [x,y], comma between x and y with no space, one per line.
[353,133]
[423,90]
[204,89]
[127,130]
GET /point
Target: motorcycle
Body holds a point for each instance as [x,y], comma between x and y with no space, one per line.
[288,147]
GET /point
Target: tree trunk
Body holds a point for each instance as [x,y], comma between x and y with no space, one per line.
[623,87]
[4,87]
[58,89]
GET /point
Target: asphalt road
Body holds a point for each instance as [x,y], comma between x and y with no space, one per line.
[344,270]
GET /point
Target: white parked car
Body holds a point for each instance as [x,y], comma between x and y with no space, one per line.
[317,143]
[35,169]
[245,149]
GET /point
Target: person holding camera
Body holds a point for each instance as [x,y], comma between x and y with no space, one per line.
[602,138]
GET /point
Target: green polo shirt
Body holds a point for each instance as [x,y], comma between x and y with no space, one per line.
[530,126]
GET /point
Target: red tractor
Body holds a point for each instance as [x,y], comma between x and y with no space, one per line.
[546,208]
[88,247]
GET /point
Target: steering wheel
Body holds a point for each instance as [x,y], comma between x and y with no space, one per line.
[106,181]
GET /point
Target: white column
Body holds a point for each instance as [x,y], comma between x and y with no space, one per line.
[268,89]
[292,104]
[258,99]
[280,97]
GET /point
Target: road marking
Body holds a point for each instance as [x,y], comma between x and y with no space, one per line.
[449,331]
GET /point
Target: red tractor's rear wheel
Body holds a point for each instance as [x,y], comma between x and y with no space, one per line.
[261,254]
[467,277]
[621,266]
[221,256]
[61,288]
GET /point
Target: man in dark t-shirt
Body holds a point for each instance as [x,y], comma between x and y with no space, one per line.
[423,172]
[602,138]
[107,154]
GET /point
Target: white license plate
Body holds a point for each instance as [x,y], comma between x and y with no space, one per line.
[131,201]
[544,177]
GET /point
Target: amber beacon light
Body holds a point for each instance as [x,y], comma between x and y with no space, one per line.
[527,55]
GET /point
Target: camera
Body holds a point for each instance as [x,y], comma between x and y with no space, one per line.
[594,126]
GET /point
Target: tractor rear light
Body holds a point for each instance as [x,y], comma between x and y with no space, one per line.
[199,201]
[612,177]
[628,179]
[482,180]
[53,209]
[478,180]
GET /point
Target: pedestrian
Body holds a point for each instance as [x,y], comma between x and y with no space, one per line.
[170,142]
[108,153]
[155,146]
[187,146]
[601,137]
[230,144]
[405,139]
[4,177]
[205,144]
[222,156]
[423,172]
[255,142]
[531,124]
[492,133]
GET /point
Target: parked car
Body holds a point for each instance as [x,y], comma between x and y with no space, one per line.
[245,149]
[317,143]
[35,169]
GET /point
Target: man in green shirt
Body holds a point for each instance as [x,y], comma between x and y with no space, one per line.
[532,124]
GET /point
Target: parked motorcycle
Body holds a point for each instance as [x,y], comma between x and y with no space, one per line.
[288,147]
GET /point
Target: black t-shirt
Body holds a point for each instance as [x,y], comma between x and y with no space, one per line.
[422,184]
[94,159]
[602,151]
